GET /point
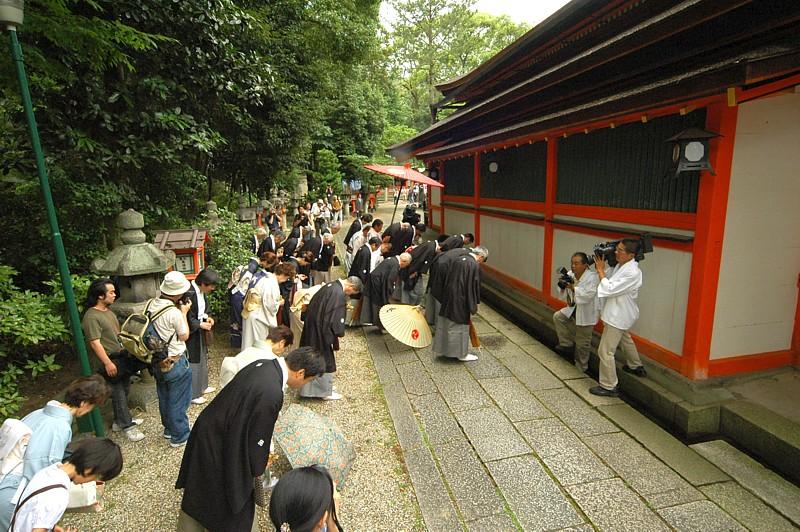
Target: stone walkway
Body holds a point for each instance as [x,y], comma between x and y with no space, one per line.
[514,441]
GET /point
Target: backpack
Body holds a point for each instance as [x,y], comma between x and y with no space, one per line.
[139,336]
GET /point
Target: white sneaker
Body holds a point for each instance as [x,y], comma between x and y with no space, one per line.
[176,445]
[210,389]
[199,400]
[469,357]
[333,397]
[135,421]
[133,433]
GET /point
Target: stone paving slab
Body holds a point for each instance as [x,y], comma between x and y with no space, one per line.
[470,484]
[439,423]
[461,391]
[393,345]
[406,356]
[405,423]
[515,334]
[434,502]
[415,378]
[489,314]
[384,367]
[492,434]
[568,458]
[500,346]
[553,362]
[611,505]
[532,495]
[514,399]
[487,367]
[690,465]
[642,471]
[581,387]
[437,364]
[494,523]
[770,487]
[531,373]
[746,508]
[575,413]
[700,516]
[482,326]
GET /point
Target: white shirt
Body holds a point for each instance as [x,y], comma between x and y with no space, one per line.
[43,510]
[260,350]
[169,325]
[586,308]
[619,295]
[375,258]
[201,302]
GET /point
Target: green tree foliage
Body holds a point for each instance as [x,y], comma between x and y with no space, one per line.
[433,41]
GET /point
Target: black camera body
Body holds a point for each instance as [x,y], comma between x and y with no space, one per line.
[607,249]
[565,279]
[186,297]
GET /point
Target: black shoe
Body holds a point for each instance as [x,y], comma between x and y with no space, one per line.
[638,371]
[563,351]
[599,390]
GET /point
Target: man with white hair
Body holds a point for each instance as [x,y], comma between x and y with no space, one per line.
[382,283]
[460,298]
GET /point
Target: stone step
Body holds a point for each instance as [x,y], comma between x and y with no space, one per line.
[686,462]
[771,488]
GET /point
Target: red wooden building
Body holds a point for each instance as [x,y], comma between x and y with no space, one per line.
[559,142]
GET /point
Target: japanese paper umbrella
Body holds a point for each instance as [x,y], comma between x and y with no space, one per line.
[407,324]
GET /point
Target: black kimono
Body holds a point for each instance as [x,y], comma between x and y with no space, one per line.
[361,264]
[268,244]
[462,291]
[289,247]
[399,237]
[324,259]
[382,281]
[452,242]
[421,258]
[229,446]
[440,270]
[324,322]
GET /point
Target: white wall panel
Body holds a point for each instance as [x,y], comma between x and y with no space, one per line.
[515,248]
[436,196]
[458,222]
[757,293]
[663,297]
[436,217]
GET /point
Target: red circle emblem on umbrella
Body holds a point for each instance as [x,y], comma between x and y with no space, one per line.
[415,334]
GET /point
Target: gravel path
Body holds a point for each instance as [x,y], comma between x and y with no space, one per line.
[378,495]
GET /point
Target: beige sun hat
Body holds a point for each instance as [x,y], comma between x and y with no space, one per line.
[174,284]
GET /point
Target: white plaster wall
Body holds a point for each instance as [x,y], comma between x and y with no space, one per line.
[436,218]
[515,248]
[458,222]
[664,294]
[757,293]
[436,196]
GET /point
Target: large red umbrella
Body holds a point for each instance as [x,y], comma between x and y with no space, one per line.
[405,173]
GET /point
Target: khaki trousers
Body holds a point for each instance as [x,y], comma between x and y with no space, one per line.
[613,337]
[570,334]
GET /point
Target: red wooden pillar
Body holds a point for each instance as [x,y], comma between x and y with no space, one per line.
[549,208]
[476,197]
[712,206]
[441,197]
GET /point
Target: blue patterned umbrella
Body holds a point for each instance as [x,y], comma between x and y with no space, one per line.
[308,438]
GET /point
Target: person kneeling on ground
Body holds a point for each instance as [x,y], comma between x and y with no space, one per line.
[45,498]
[305,500]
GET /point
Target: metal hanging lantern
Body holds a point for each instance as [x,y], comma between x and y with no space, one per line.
[11,12]
[690,150]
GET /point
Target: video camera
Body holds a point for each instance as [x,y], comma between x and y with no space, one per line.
[607,249]
[565,278]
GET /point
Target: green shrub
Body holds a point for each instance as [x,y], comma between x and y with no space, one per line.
[229,247]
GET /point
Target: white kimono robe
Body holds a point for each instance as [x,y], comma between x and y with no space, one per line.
[256,326]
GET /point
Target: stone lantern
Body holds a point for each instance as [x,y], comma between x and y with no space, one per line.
[136,266]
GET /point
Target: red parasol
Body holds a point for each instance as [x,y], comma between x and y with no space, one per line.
[403,172]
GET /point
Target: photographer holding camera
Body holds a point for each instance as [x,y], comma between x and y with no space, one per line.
[173,375]
[575,322]
[620,311]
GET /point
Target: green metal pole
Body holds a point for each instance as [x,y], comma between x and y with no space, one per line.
[96,422]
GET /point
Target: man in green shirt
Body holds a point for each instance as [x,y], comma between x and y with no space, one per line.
[100,327]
